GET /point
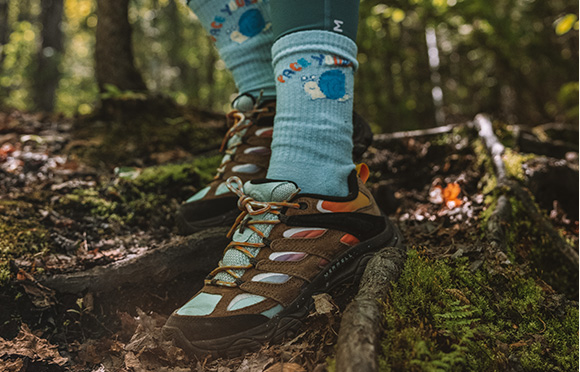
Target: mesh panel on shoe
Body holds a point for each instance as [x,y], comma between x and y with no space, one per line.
[264,192]
[202,304]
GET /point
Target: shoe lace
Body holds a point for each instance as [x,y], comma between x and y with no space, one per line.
[239,121]
[252,207]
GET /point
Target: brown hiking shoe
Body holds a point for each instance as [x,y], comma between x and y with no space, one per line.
[247,148]
[247,154]
[285,247]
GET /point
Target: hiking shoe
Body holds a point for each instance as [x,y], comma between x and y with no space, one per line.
[285,247]
[247,155]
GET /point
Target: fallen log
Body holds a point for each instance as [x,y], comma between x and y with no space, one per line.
[514,189]
[196,252]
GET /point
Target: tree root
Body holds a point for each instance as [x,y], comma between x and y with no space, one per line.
[358,339]
[196,252]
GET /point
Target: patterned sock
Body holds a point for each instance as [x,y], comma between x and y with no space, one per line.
[242,32]
[312,142]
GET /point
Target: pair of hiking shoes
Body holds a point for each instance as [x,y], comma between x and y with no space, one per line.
[286,246]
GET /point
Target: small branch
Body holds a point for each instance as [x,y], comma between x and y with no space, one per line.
[389,137]
[196,252]
[495,148]
[358,339]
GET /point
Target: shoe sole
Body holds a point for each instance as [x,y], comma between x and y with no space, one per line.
[346,269]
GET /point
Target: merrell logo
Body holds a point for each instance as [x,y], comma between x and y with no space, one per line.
[338,25]
[337,264]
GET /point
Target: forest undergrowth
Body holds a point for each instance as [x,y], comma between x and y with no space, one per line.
[81,194]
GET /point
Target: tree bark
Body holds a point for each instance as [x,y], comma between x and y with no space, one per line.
[4,28]
[113,50]
[49,54]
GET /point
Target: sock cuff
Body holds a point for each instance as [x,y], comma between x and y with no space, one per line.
[314,41]
[202,9]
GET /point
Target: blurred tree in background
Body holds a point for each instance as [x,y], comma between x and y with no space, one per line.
[422,62]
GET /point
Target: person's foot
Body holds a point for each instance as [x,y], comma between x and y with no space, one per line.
[285,247]
[247,146]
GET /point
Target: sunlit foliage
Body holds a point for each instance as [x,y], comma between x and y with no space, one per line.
[516,59]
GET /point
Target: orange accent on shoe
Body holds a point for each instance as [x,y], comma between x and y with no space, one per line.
[328,207]
[323,262]
[349,240]
[266,133]
[363,172]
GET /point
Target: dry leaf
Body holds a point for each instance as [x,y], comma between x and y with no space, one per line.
[30,346]
[286,367]
[450,194]
[324,304]
[11,365]
[447,195]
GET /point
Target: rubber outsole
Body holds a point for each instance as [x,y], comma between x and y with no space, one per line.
[344,270]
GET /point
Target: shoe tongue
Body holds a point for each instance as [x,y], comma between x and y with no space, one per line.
[270,191]
[243,103]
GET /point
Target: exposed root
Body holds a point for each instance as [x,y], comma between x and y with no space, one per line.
[358,339]
[196,252]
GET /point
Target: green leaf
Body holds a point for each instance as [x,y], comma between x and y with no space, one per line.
[565,24]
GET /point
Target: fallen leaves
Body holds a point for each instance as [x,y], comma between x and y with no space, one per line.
[149,351]
[26,348]
[286,367]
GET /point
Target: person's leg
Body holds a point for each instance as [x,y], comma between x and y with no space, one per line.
[242,32]
[320,159]
[314,59]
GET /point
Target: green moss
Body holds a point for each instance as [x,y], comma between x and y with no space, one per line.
[20,233]
[91,200]
[148,201]
[443,317]
[206,167]
[513,163]
[488,182]
[198,172]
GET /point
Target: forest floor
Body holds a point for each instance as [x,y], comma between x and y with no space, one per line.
[79,197]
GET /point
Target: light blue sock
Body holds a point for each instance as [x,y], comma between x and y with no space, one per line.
[242,32]
[312,142]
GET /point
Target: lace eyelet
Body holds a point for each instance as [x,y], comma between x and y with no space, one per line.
[303,205]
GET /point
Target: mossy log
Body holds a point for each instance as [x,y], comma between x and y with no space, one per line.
[512,188]
[181,255]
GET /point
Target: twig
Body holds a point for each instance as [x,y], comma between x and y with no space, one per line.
[495,148]
[388,137]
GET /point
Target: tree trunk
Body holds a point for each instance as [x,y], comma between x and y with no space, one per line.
[4,28]
[113,50]
[49,54]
